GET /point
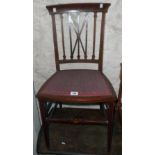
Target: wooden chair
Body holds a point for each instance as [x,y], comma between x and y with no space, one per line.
[119,103]
[79,86]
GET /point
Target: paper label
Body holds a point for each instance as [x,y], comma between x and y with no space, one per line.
[74,93]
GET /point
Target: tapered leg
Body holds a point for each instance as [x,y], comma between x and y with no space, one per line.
[110,124]
[44,123]
[114,113]
[120,112]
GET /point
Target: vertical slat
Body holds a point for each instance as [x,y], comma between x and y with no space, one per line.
[55,43]
[86,40]
[101,42]
[62,30]
[70,37]
[94,35]
[78,56]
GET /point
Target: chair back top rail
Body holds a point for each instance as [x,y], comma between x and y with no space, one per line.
[85,7]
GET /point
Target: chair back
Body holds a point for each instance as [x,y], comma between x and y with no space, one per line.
[78,32]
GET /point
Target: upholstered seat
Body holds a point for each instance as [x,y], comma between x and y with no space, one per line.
[77,85]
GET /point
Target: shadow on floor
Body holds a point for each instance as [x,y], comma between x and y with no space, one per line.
[69,139]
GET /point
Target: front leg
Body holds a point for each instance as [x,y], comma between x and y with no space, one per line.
[110,124]
[42,106]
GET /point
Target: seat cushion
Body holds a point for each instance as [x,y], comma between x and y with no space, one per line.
[77,83]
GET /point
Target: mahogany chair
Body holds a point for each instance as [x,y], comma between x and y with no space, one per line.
[79,86]
[119,103]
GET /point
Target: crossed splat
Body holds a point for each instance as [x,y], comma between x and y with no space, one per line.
[78,32]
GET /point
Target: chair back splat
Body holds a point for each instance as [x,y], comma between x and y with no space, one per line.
[78,28]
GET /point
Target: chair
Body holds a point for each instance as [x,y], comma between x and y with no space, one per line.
[77,86]
[119,103]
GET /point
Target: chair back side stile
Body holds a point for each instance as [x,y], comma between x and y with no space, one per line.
[78,33]
[55,44]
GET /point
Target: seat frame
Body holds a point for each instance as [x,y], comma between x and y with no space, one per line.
[45,103]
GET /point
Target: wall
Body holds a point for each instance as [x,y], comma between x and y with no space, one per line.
[44,64]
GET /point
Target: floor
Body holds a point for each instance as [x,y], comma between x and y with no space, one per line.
[80,140]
